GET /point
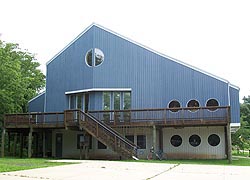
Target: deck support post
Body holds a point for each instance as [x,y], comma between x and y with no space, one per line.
[3,139]
[21,145]
[9,134]
[44,144]
[154,137]
[229,144]
[14,145]
[30,143]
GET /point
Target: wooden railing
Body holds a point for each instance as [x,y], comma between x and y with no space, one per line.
[52,119]
[166,116]
[144,117]
[101,132]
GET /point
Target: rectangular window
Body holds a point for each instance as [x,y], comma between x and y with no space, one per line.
[127,100]
[87,140]
[106,100]
[101,145]
[79,101]
[72,102]
[117,100]
[130,137]
[141,141]
[86,102]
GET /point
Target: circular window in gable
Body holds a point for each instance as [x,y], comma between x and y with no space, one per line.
[94,57]
[175,105]
[176,140]
[213,103]
[193,104]
[214,140]
[194,140]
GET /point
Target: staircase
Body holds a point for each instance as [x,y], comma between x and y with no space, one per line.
[101,132]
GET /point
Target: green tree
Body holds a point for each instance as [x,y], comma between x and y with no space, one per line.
[242,137]
[20,78]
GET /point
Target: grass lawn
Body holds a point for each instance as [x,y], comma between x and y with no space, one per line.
[16,164]
[237,161]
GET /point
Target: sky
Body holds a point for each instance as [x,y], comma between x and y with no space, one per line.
[213,35]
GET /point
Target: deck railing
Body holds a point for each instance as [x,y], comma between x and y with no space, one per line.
[166,116]
[55,119]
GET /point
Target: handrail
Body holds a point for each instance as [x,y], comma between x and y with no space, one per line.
[109,129]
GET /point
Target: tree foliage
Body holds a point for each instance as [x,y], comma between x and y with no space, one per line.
[20,78]
[242,137]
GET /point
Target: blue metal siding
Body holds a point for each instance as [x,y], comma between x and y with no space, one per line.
[37,104]
[68,72]
[155,80]
[235,105]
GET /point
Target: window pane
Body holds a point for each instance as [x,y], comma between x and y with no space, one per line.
[127,100]
[117,100]
[141,141]
[106,100]
[194,140]
[193,103]
[212,103]
[130,137]
[101,145]
[176,140]
[214,140]
[174,104]
[99,57]
[79,102]
[89,57]
[86,102]
[72,102]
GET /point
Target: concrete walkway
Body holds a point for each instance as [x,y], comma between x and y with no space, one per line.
[92,170]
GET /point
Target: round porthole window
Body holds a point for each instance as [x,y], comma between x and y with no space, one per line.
[193,104]
[176,140]
[194,140]
[213,103]
[174,104]
[94,57]
[214,140]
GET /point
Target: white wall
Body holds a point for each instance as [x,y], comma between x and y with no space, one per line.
[185,150]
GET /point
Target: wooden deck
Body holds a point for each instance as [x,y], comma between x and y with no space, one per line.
[202,116]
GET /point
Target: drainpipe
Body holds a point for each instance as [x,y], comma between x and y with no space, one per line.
[229,141]
[228,93]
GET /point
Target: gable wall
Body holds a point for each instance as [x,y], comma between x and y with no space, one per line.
[68,72]
[154,80]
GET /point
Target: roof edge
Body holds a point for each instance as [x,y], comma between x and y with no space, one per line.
[97,89]
[71,42]
[234,86]
[36,96]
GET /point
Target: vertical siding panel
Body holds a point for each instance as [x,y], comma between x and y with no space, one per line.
[235,105]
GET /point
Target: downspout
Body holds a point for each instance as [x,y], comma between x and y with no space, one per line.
[45,96]
[228,93]
[228,130]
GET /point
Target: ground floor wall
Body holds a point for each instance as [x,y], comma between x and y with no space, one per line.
[211,145]
[182,143]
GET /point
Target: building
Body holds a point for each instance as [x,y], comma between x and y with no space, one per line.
[110,97]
